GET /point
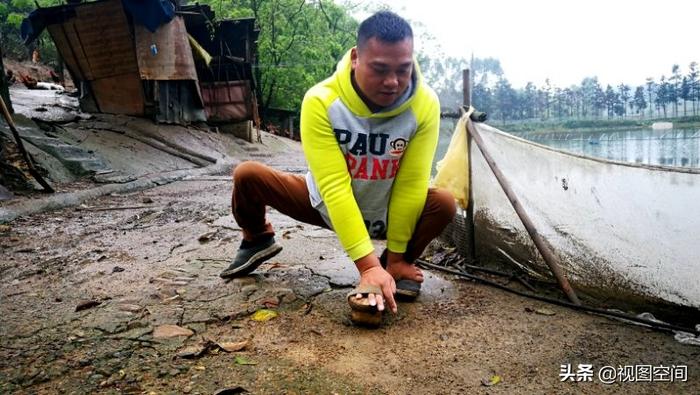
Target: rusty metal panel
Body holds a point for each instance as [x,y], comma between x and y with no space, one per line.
[227,100]
[165,54]
[121,94]
[178,102]
[102,30]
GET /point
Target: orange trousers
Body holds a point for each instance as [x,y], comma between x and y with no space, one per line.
[257,186]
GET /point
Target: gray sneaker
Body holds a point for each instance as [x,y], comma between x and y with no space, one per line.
[249,258]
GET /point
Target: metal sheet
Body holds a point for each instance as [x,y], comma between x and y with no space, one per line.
[122,94]
[165,54]
[227,100]
[178,102]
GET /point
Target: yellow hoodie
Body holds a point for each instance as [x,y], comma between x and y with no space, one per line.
[369,172]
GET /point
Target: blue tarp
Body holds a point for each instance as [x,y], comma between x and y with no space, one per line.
[37,20]
[150,13]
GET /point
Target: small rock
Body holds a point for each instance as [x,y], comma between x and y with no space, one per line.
[269,302]
[243,281]
[540,311]
[167,331]
[205,238]
[117,269]
[233,346]
[87,304]
[193,351]
[286,294]
[173,372]
[131,308]
[147,200]
[96,377]
[249,289]
[183,278]
[230,391]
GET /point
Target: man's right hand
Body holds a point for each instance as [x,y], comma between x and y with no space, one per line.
[372,273]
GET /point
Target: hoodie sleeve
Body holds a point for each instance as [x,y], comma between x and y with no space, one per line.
[329,169]
[411,185]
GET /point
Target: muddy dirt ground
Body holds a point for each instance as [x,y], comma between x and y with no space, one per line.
[122,295]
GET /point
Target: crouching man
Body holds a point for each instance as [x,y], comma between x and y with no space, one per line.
[369,134]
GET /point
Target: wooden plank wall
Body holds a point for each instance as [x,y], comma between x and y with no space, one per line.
[98,47]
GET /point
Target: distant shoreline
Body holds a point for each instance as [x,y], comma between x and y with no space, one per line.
[591,126]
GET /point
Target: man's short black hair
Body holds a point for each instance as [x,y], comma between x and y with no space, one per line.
[385,26]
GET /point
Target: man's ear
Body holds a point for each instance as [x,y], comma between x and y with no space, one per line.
[353,57]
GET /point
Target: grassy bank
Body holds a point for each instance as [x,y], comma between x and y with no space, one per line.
[588,125]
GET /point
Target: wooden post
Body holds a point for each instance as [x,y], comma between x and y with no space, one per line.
[469,222]
[18,139]
[466,88]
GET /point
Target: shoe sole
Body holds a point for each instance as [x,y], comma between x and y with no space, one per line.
[407,290]
[256,260]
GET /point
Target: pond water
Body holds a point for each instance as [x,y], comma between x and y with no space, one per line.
[674,147]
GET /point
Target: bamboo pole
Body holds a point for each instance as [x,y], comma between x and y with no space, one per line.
[25,155]
[542,247]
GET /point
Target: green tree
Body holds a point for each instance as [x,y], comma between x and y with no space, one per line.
[685,93]
[694,84]
[673,89]
[444,75]
[483,98]
[651,89]
[299,45]
[639,101]
[486,70]
[530,100]
[505,97]
[12,12]
[624,95]
[544,97]
[662,95]
[590,91]
[610,99]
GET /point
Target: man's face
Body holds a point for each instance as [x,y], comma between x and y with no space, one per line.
[383,70]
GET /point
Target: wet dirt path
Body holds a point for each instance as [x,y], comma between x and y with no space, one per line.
[153,315]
